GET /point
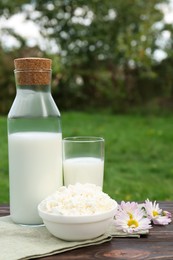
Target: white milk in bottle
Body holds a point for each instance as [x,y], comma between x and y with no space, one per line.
[34,141]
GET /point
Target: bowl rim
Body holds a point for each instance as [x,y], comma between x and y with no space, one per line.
[77,219]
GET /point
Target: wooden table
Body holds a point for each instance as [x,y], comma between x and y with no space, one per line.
[157,245]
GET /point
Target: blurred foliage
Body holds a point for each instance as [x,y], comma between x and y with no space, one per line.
[104,56]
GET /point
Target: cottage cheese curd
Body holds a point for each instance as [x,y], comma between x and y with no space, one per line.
[78,200]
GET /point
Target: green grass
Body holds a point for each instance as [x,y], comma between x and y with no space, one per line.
[138,153]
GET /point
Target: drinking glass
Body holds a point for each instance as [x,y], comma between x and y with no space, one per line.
[83,160]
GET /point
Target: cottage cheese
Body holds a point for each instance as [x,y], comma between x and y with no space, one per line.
[78,200]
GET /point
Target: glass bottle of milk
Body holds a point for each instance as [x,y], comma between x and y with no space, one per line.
[34,140]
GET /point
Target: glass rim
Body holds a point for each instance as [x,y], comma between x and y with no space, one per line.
[83,139]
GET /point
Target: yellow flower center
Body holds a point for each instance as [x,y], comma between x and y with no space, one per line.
[132,223]
[130,215]
[155,213]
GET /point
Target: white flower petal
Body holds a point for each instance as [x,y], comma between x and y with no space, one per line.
[162,220]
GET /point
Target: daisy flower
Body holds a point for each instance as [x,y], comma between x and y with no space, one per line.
[128,207]
[167,213]
[155,214]
[161,220]
[132,220]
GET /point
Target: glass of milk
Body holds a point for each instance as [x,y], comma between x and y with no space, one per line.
[83,160]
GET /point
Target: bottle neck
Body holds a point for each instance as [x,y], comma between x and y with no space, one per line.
[33,88]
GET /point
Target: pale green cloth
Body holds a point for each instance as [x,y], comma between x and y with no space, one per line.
[22,242]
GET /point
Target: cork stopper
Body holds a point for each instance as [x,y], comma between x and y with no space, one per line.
[32,71]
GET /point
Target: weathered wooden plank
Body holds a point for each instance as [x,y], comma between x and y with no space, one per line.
[4,210]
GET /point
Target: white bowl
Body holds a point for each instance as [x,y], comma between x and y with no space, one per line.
[76,228]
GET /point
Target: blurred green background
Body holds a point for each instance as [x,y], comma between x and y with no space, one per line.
[112,76]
